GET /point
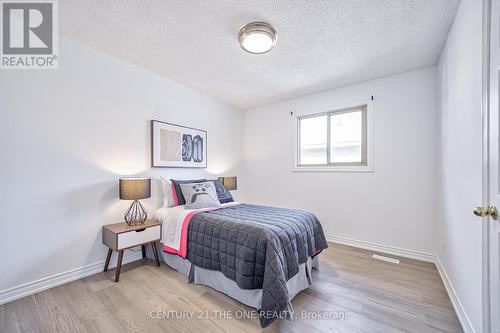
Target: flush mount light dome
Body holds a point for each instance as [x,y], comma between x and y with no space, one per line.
[257,37]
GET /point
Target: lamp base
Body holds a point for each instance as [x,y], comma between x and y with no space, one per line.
[136,214]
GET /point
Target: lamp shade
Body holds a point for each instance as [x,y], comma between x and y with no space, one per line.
[230,183]
[135,188]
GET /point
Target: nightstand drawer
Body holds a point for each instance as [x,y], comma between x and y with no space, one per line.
[133,238]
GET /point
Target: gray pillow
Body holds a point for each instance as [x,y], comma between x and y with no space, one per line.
[200,195]
[222,194]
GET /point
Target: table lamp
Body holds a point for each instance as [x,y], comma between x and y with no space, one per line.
[135,189]
[230,183]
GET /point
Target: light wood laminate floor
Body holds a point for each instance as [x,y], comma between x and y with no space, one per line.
[376,296]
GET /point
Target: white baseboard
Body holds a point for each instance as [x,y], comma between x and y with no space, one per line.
[11,294]
[457,305]
[397,251]
[417,255]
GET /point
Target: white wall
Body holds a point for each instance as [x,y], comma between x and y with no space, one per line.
[393,205]
[458,232]
[67,135]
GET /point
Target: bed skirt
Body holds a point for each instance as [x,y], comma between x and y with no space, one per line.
[216,280]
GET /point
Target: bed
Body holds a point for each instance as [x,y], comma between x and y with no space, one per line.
[261,256]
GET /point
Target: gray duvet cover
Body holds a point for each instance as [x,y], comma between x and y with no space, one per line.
[257,247]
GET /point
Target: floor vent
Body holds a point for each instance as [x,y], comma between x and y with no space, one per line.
[383,258]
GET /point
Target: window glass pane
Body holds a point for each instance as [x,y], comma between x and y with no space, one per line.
[313,138]
[345,137]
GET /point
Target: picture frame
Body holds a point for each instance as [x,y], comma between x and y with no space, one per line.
[177,146]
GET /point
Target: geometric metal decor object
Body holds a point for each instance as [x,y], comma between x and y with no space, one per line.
[136,214]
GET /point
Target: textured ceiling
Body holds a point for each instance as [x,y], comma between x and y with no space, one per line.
[321,44]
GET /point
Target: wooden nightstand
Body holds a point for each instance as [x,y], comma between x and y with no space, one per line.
[121,236]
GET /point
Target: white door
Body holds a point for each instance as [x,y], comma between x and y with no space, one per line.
[492,225]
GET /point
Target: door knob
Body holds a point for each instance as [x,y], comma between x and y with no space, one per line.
[486,211]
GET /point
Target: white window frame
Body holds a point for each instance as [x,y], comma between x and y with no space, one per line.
[368,167]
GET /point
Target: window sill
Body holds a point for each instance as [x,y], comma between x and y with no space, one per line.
[338,168]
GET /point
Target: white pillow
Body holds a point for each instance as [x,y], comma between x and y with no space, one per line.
[200,195]
[168,195]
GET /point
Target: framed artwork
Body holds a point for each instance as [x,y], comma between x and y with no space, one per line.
[175,146]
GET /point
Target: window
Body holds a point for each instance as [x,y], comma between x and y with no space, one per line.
[333,140]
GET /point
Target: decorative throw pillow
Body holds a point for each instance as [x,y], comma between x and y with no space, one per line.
[168,195]
[178,197]
[222,194]
[200,195]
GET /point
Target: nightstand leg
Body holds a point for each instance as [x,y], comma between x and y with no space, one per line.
[143,251]
[107,259]
[155,252]
[119,265]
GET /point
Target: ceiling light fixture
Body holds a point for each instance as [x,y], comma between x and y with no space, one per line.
[257,37]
